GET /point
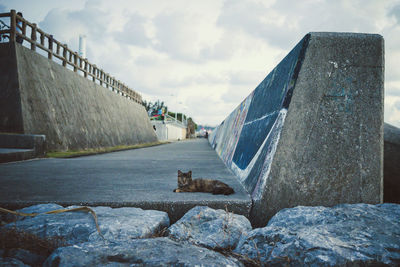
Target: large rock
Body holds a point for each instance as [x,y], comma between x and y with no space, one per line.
[391,192]
[11,262]
[210,228]
[25,256]
[142,252]
[76,227]
[40,208]
[347,234]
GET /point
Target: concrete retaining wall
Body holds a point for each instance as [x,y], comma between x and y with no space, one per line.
[312,132]
[42,97]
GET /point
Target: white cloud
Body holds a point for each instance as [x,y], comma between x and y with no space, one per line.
[206,56]
[392,110]
[134,31]
[395,12]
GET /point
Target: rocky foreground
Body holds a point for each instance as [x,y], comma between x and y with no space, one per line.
[344,235]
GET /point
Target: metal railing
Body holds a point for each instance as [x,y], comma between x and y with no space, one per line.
[39,39]
[170,119]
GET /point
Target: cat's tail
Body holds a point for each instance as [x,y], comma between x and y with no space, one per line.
[223,191]
[229,191]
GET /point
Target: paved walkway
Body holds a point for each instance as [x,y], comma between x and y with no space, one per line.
[138,178]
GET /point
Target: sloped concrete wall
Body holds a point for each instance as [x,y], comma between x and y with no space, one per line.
[312,132]
[72,111]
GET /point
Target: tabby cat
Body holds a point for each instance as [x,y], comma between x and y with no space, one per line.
[186,184]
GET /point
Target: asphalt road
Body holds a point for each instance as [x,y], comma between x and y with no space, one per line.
[139,178]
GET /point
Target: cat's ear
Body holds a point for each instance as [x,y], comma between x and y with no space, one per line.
[190,173]
[179,172]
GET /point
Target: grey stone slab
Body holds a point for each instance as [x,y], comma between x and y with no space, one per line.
[13,150]
[14,147]
[10,155]
[143,178]
[345,235]
[215,229]
[141,252]
[78,227]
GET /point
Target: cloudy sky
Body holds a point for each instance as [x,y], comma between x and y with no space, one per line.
[204,57]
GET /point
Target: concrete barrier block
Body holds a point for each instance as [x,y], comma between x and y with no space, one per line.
[312,132]
[391,169]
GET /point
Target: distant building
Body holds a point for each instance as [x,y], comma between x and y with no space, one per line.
[82,46]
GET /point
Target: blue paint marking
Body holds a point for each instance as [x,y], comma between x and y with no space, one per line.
[273,94]
[254,175]
[342,94]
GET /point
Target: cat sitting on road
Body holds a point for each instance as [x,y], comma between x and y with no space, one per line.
[186,184]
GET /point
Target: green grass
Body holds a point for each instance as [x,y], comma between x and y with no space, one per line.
[94,151]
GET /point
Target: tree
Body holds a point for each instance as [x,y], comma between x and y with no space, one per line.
[191,128]
[152,108]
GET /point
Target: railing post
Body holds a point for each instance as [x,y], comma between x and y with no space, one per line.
[33,37]
[24,28]
[13,25]
[85,72]
[65,49]
[94,73]
[42,39]
[101,77]
[75,62]
[50,54]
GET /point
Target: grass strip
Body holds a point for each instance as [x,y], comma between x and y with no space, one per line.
[95,151]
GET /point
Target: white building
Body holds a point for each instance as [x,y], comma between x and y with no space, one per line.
[169,130]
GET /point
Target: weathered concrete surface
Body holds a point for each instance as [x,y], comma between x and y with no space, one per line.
[14,147]
[119,224]
[215,229]
[143,178]
[16,154]
[10,104]
[312,132]
[42,97]
[139,252]
[345,235]
[391,164]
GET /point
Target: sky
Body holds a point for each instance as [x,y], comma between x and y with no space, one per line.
[204,57]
